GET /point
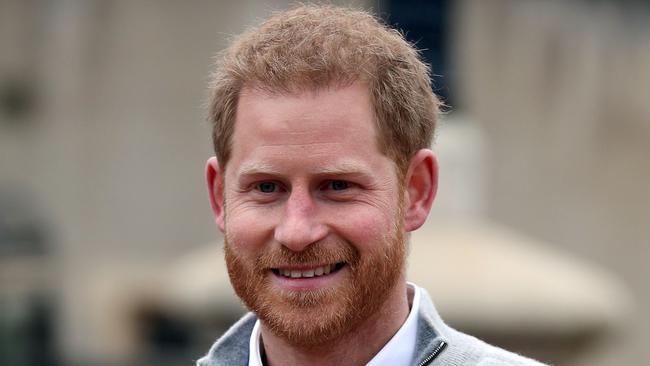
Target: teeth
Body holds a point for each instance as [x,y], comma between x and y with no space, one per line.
[315,272]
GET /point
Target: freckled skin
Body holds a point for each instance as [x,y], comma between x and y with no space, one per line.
[306,176]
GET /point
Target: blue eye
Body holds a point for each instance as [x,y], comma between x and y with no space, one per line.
[267,187]
[339,185]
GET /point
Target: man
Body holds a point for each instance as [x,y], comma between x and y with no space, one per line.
[322,122]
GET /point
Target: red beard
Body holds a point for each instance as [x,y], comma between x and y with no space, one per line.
[310,318]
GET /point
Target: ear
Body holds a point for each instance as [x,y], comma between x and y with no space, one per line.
[421,184]
[215,189]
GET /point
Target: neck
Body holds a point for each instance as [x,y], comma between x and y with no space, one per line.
[355,348]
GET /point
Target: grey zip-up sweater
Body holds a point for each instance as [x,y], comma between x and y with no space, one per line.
[437,344]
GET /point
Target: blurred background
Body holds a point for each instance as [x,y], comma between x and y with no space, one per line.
[108,252]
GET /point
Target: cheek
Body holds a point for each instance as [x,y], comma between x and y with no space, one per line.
[248,229]
[366,228]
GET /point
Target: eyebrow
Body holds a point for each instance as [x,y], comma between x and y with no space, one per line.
[340,168]
[257,168]
[344,168]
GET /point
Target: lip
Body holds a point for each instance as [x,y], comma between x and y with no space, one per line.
[308,283]
[302,267]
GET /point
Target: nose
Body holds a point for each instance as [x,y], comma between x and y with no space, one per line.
[300,225]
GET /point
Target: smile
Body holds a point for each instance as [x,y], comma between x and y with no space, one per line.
[308,272]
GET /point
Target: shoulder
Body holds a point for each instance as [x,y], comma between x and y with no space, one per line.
[458,349]
[464,350]
[479,353]
[233,346]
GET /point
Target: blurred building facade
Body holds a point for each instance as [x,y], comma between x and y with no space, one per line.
[561,91]
[102,128]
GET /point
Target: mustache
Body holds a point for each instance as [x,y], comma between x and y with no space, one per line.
[315,254]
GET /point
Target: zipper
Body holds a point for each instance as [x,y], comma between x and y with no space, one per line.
[433,354]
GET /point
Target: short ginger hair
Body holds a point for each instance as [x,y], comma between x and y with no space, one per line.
[320,46]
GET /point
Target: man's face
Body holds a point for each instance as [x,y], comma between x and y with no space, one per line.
[312,220]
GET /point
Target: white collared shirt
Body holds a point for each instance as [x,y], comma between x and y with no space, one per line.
[397,352]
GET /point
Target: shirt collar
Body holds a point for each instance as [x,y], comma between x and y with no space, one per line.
[400,349]
[255,354]
[397,352]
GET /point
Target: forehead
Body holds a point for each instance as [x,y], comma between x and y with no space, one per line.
[347,107]
[328,123]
